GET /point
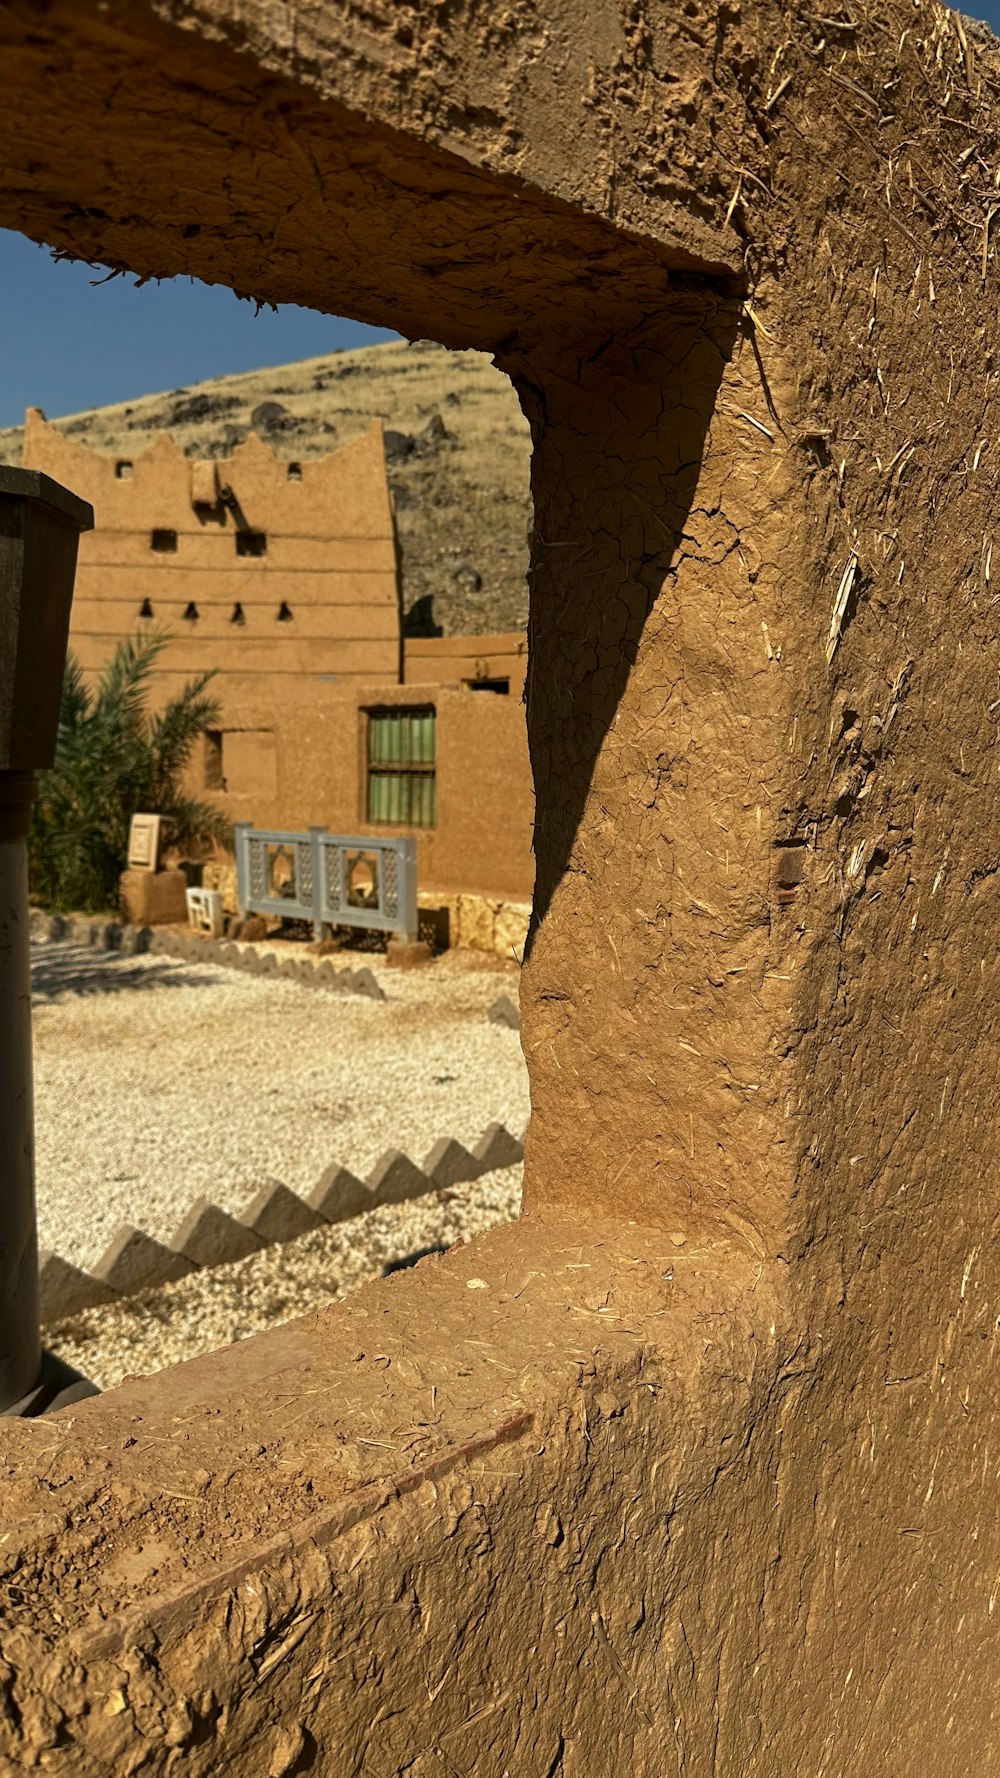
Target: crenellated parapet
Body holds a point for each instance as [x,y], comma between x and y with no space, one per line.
[256,565]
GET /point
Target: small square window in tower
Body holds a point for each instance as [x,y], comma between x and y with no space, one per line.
[402,750]
[251,543]
[164,542]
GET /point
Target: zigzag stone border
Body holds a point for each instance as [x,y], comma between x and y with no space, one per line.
[210,1236]
[311,974]
[164,941]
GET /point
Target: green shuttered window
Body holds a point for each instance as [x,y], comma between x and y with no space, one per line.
[401,755]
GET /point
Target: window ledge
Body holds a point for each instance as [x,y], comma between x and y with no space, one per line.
[246,1538]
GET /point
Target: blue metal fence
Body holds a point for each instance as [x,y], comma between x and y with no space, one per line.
[328,879]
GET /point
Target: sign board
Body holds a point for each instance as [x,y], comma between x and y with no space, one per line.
[144,842]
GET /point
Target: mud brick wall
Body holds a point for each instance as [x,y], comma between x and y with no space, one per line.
[304,639]
[326,560]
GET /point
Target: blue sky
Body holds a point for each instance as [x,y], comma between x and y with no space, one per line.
[67,343]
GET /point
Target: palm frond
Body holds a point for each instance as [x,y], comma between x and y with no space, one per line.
[123,688]
[75,704]
[114,760]
[189,823]
[175,730]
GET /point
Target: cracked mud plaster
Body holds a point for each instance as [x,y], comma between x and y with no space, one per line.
[612,107]
[281,153]
[803,1061]
[861,1008]
[400,1571]
[663,556]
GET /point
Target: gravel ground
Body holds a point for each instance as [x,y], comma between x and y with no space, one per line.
[213,1308]
[157,1082]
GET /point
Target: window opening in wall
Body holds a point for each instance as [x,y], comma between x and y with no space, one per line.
[500,686]
[146,608]
[251,543]
[164,541]
[214,770]
[237,617]
[402,748]
[284,612]
[191,612]
[123,469]
[361,879]
[295,472]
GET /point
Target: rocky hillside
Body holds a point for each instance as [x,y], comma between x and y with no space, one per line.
[456,442]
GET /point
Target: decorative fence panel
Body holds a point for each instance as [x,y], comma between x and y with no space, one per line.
[328,879]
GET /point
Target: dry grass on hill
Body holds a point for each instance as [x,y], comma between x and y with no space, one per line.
[457,445]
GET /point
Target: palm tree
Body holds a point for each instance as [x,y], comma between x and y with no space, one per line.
[113,759]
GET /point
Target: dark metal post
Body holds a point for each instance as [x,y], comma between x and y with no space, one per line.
[40,526]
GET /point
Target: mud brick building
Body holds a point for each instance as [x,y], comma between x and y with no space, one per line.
[693,1471]
[282,578]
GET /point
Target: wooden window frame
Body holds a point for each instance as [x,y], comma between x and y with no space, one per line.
[401,766]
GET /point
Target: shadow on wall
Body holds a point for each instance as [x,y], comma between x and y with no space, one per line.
[419,619]
[612,503]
